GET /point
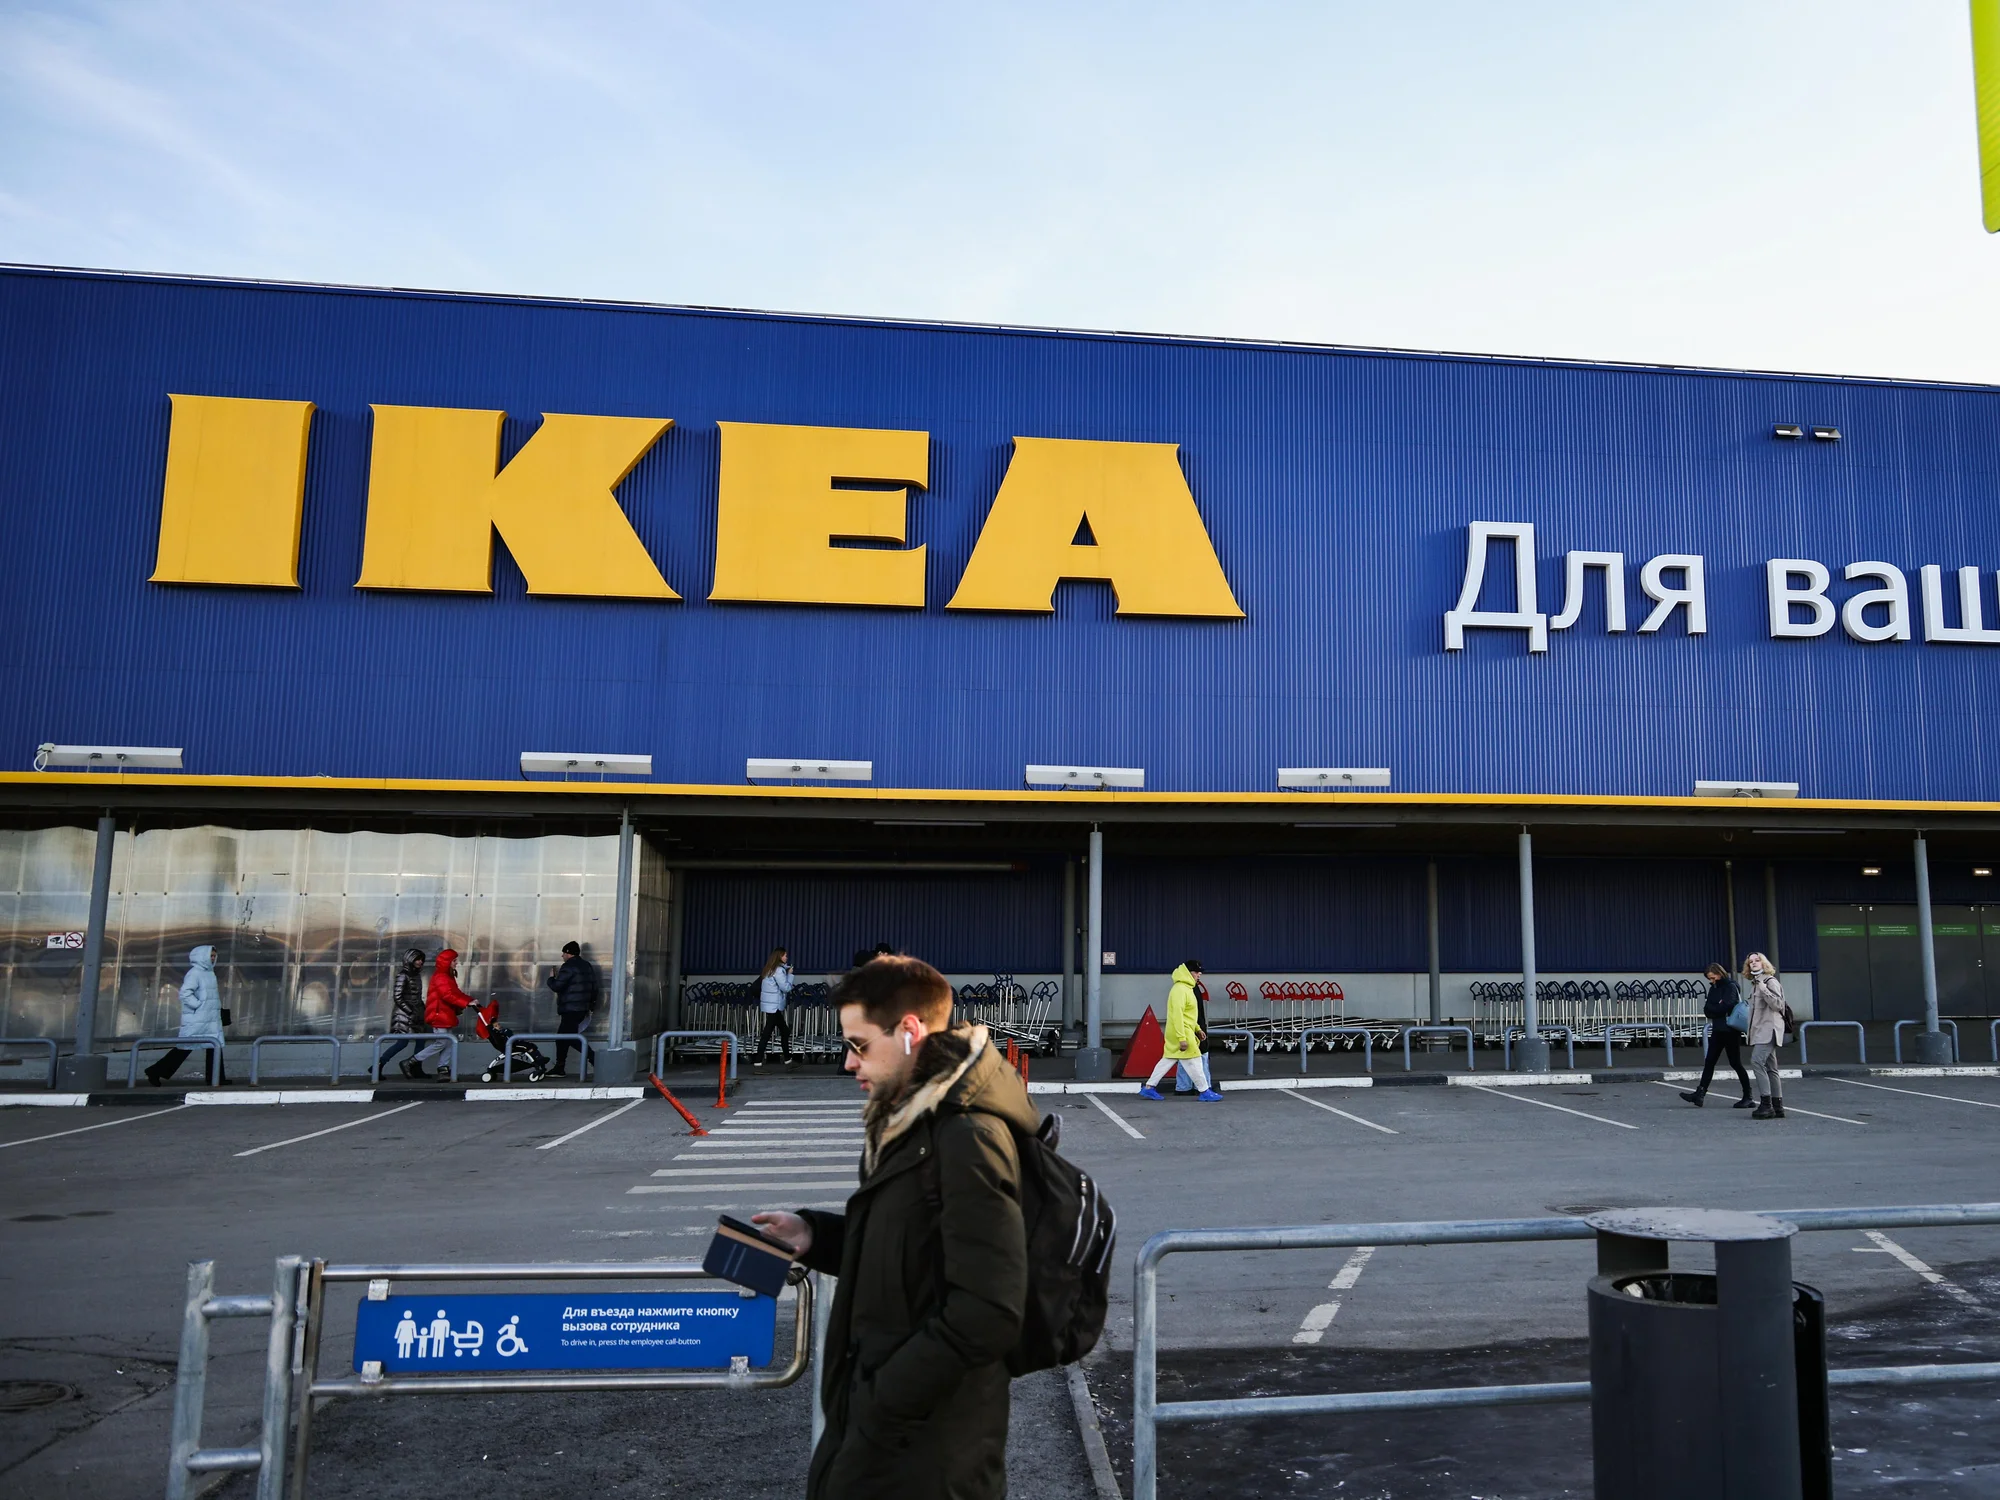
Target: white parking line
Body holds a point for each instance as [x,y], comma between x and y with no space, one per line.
[1886,1246]
[331,1129]
[1521,1098]
[723,1187]
[1344,1114]
[1116,1118]
[1919,1093]
[1317,1321]
[749,1171]
[581,1129]
[1790,1109]
[137,1114]
[724,1153]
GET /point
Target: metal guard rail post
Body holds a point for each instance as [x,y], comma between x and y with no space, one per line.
[1860,1037]
[1466,1031]
[731,1045]
[1508,1033]
[575,1037]
[323,1041]
[1637,1028]
[1943,1023]
[267,1460]
[36,1041]
[418,1040]
[1995,1040]
[1149,1412]
[317,1273]
[1250,1037]
[189,1043]
[1367,1043]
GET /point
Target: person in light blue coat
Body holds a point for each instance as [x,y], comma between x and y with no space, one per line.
[201,1016]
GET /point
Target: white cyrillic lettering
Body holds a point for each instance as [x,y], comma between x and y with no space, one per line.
[1693,591]
[1971,628]
[1523,616]
[1575,564]
[1894,595]
[1781,596]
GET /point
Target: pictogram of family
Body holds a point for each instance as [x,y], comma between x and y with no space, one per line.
[431,1340]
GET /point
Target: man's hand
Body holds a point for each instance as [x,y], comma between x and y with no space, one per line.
[790,1228]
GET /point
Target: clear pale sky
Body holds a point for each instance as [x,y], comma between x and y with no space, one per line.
[1762,183]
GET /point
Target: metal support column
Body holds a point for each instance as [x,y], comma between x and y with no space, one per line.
[676,914]
[1933,1046]
[619,1061]
[1771,916]
[1093,1061]
[1437,973]
[1069,945]
[1531,1053]
[1729,911]
[85,1070]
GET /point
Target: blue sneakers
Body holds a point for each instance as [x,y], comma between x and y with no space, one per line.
[1147,1091]
[1210,1096]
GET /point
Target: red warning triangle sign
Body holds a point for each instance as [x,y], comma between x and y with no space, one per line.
[1145,1049]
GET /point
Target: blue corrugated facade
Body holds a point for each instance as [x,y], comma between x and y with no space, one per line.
[1336,485]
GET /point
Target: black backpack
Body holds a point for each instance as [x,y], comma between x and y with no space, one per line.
[1071,1232]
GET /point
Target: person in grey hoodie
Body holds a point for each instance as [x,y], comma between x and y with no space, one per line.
[201,1016]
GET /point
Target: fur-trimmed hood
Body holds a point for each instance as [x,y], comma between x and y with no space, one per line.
[961,1066]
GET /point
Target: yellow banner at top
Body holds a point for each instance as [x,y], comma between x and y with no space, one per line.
[1986,81]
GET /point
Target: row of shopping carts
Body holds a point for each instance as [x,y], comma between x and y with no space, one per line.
[1287,1012]
[1588,1006]
[1011,1011]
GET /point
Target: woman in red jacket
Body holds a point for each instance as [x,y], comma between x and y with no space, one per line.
[443,1002]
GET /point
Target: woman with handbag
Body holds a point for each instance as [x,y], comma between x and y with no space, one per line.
[1770,1019]
[1728,1018]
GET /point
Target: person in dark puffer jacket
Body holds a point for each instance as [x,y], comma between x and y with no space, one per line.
[406,1010]
[931,1253]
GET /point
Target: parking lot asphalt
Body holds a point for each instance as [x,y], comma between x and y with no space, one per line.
[104,1208]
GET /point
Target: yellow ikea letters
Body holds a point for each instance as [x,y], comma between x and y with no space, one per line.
[236,480]
[1149,543]
[779,511]
[787,498]
[435,500]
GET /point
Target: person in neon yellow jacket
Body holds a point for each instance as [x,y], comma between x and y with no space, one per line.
[1183,1036]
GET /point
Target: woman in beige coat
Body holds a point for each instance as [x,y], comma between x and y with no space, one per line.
[1767,1035]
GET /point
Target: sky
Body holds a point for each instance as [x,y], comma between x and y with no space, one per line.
[1766,184]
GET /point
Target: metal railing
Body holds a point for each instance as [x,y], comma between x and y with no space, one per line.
[257,1043]
[315,1275]
[36,1041]
[1943,1024]
[576,1039]
[1635,1028]
[1509,1033]
[1367,1043]
[1994,1040]
[169,1043]
[1250,1040]
[1465,1031]
[1149,1413]
[1860,1037]
[729,1040]
[418,1040]
[187,1457]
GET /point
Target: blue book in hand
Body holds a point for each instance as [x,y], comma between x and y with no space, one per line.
[744,1254]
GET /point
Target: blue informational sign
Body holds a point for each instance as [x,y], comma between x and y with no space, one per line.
[433,1335]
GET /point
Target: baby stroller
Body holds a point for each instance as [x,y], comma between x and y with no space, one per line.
[529,1062]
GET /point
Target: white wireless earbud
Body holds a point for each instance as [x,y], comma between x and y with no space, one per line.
[906,1044]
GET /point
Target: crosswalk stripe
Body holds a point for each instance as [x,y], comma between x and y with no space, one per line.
[713,1154]
[750,1171]
[723,1187]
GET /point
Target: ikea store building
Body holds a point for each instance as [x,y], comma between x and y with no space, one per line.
[493,623]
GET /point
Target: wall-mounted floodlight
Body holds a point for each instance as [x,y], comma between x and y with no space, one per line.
[1746,789]
[1982,870]
[1788,432]
[1826,434]
[809,770]
[567,762]
[1331,777]
[118,757]
[1871,869]
[1099,778]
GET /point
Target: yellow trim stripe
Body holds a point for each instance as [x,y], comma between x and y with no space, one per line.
[1306,803]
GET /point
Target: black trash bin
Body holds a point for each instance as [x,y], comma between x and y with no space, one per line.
[1666,1410]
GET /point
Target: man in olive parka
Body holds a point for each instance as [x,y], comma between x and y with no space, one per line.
[931,1253]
